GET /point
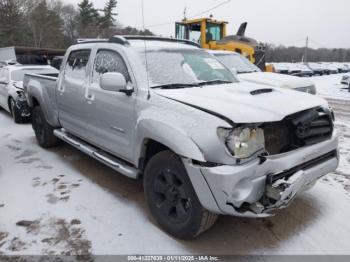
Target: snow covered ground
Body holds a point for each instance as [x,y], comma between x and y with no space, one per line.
[60,201]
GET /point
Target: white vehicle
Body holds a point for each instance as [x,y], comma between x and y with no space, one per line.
[305,70]
[333,69]
[318,69]
[281,68]
[12,98]
[246,71]
[346,80]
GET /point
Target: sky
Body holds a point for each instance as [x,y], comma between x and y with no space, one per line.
[286,22]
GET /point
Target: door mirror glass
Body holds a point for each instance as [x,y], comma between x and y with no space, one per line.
[113,82]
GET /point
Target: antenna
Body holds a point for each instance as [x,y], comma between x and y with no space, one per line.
[185,13]
[143,26]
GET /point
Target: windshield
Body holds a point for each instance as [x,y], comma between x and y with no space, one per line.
[237,62]
[185,66]
[18,75]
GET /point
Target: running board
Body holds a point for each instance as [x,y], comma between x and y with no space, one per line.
[105,158]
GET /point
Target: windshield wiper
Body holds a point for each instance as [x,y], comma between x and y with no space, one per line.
[214,82]
[246,72]
[176,86]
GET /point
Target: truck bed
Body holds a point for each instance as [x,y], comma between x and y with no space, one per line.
[43,87]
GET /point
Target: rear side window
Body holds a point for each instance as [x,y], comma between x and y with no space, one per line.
[77,62]
[109,61]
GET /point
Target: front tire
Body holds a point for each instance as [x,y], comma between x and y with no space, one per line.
[43,130]
[15,112]
[171,198]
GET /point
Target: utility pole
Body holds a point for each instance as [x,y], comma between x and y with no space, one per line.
[306,49]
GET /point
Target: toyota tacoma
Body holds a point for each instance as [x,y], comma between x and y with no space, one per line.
[168,112]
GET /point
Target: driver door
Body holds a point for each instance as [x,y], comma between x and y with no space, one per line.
[111,118]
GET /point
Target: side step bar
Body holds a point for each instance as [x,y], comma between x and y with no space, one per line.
[97,154]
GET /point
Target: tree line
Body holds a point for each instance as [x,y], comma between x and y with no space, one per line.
[297,54]
[54,24]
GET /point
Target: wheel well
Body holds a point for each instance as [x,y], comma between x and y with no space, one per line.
[35,102]
[150,148]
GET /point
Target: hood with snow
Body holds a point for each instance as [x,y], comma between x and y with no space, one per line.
[277,80]
[245,102]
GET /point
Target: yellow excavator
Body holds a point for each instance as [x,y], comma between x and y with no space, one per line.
[211,34]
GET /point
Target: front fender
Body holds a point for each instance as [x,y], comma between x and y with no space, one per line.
[170,136]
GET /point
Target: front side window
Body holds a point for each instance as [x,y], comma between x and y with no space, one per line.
[187,66]
[214,32]
[180,31]
[195,33]
[109,61]
[77,62]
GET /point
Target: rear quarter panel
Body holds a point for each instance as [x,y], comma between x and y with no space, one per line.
[43,91]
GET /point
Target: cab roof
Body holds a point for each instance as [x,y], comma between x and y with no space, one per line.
[134,39]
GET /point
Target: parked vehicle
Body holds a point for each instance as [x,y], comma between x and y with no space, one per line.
[246,71]
[346,80]
[294,69]
[318,69]
[12,97]
[280,68]
[305,70]
[204,143]
[331,68]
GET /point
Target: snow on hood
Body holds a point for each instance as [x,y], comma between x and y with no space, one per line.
[235,101]
[278,80]
[18,85]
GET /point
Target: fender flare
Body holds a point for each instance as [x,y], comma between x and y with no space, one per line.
[170,136]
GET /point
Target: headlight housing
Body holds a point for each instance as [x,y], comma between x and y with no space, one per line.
[243,142]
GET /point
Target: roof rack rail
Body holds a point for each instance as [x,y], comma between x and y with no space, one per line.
[118,39]
[124,39]
[90,40]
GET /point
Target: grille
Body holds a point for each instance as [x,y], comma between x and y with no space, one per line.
[302,129]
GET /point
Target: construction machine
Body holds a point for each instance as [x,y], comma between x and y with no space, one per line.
[212,34]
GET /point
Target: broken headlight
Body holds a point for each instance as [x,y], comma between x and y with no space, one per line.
[243,142]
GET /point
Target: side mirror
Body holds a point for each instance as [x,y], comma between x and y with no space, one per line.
[114,82]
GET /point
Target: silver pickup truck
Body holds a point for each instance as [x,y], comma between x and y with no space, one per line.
[168,112]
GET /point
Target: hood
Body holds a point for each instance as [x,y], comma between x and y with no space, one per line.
[278,80]
[245,102]
[18,85]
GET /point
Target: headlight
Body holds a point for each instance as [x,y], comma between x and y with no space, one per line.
[242,142]
[307,89]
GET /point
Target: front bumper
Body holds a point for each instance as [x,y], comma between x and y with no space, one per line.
[22,105]
[256,188]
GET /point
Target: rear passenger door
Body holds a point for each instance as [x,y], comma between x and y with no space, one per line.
[111,114]
[71,91]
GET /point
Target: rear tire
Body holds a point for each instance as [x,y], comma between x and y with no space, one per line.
[15,113]
[171,198]
[43,130]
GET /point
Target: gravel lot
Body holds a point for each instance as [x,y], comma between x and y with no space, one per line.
[60,201]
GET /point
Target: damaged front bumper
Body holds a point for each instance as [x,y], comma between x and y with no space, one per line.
[22,105]
[258,187]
